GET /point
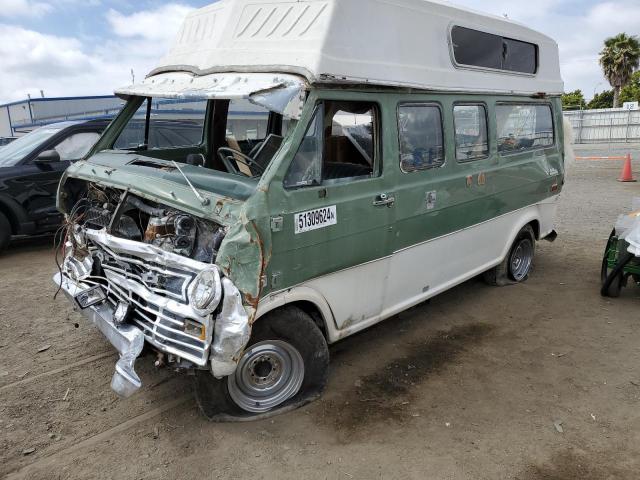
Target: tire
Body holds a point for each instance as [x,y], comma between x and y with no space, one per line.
[516,266]
[5,232]
[284,366]
[615,287]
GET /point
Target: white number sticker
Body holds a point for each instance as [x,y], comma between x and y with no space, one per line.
[315,219]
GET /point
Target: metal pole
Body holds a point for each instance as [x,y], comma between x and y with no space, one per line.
[580,124]
[10,122]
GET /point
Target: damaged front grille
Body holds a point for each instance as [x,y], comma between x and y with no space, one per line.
[166,282]
[147,256]
[161,310]
[162,329]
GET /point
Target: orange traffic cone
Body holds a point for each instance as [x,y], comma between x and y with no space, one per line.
[627,174]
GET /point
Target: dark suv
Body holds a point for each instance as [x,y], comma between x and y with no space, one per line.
[30,170]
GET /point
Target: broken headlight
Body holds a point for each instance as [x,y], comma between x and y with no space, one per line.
[205,291]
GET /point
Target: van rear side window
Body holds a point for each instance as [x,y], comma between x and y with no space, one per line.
[421,137]
[471,132]
[480,49]
[524,127]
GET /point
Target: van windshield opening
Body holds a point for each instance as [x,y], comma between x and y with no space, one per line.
[233,136]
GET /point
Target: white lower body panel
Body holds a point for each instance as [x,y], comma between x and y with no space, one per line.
[363,295]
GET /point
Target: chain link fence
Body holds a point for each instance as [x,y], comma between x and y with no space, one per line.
[605,126]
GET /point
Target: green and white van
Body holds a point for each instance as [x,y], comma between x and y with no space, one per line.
[294,172]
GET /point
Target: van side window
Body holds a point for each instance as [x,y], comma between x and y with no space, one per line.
[474,48]
[524,127]
[421,137]
[341,145]
[306,167]
[471,132]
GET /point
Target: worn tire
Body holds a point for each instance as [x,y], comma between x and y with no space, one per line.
[5,232]
[615,288]
[290,325]
[503,274]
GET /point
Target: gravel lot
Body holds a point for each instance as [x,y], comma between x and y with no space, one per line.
[468,386]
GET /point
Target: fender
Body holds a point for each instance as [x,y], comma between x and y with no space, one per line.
[301,294]
[531,214]
[17,216]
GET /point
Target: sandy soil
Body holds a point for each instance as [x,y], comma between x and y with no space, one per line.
[468,386]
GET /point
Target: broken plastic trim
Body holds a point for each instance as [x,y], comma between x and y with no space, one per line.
[231,332]
[280,93]
[126,339]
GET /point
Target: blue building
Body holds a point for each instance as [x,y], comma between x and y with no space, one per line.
[18,118]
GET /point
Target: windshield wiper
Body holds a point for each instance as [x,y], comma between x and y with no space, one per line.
[203,201]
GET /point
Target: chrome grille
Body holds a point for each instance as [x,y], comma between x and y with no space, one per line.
[155,283]
[166,282]
[161,328]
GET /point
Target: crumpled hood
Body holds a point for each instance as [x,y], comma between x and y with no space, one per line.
[161,181]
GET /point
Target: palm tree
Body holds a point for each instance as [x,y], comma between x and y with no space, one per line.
[619,59]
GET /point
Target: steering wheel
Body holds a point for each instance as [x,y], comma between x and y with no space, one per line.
[231,155]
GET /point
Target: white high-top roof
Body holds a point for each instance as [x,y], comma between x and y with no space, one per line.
[381,42]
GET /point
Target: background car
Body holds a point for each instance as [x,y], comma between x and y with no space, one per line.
[30,170]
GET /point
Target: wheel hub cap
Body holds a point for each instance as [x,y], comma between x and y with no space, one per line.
[268,374]
[521,259]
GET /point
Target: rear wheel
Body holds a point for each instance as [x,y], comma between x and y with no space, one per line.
[5,232]
[521,256]
[284,366]
[516,266]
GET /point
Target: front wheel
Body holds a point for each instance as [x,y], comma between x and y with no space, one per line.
[284,366]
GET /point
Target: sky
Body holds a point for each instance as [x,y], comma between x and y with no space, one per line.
[89,47]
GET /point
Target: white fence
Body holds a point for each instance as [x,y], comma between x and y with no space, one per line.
[605,126]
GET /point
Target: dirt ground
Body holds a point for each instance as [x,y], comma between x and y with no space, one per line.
[476,384]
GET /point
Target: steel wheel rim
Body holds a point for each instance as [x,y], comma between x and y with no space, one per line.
[521,259]
[268,374]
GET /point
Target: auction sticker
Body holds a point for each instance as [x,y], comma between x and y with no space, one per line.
[315,219]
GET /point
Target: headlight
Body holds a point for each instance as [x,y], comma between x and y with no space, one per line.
[205,291]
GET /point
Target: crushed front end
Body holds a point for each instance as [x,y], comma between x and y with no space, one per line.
[145,273]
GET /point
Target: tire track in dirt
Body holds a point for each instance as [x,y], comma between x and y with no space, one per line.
[49,460]
[55,371]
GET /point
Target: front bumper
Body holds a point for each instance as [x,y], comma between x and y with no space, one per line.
[128,340]
[157,316]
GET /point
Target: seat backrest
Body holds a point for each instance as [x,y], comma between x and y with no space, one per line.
[267,150]
[242,167]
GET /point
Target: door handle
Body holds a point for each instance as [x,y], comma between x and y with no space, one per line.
[384,200]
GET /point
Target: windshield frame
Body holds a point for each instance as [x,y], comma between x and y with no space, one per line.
[112,133]
[213,135]
[31,148]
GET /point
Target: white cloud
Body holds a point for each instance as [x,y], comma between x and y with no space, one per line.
[159,24]
[580,32]
[24,8]
[68,66]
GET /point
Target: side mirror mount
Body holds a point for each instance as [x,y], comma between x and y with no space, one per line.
[196,159]
[47,157]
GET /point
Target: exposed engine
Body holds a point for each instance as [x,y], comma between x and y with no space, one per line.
[133,218]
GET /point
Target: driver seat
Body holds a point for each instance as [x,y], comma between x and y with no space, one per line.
[233,143]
